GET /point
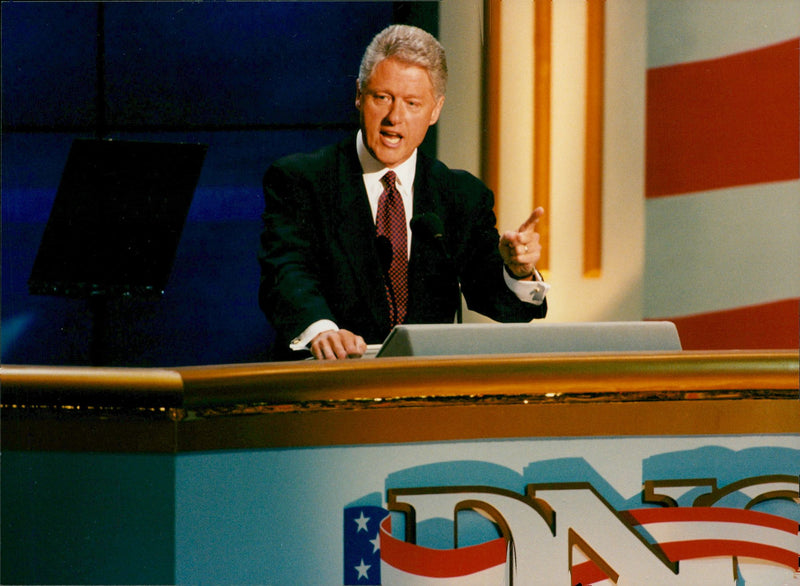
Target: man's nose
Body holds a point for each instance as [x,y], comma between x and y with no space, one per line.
[395,113]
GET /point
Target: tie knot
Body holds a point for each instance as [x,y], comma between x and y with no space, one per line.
[389,179]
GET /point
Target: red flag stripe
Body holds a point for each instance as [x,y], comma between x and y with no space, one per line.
[774,325]
[724,122]
[714,515]
[587,573]
[439,563]
[707,548]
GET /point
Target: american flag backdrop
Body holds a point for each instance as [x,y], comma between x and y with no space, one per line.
[723,177]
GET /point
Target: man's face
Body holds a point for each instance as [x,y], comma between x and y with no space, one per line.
[397,107]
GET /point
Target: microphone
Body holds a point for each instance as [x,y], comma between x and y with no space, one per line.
[429,225]
[384,246]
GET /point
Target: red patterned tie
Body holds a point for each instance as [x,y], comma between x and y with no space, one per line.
[391,222]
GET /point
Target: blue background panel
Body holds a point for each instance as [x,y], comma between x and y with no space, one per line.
[49,64]
[252,80]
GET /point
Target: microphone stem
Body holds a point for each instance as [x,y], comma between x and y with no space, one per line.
[459,311]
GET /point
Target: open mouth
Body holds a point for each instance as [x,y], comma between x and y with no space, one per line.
[391,138]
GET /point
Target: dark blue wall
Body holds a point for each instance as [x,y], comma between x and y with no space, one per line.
[252,80]
[87,518]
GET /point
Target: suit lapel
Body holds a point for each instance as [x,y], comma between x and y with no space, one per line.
[427,191]
[353,222]
[355,231]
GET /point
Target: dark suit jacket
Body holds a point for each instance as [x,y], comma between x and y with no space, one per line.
[319,258]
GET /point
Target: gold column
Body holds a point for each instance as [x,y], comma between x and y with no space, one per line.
[490,160]
[542,85]
[593,161]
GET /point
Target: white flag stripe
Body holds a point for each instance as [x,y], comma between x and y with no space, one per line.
[695,530]
[578,557]
[391,576]
[722,266]
[746,25]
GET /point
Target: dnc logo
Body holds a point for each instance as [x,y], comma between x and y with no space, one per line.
[686,532]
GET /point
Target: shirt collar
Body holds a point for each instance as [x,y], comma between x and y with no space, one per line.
[374,170]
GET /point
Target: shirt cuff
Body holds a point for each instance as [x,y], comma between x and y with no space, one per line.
[528,291]
[301,342]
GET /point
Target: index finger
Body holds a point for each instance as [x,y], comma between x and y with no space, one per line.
[532,220]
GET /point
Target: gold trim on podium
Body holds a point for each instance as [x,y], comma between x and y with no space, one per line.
[399,400]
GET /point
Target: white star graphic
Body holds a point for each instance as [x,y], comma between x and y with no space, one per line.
[362,570]
[361,522]
[376,543]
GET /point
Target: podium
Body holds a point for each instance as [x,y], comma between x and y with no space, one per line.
[236,473]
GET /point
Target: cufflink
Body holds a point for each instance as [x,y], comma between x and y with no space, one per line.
[539,292]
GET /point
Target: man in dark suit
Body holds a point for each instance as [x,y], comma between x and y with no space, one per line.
[347,251]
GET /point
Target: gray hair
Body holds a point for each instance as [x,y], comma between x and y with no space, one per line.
[410,45]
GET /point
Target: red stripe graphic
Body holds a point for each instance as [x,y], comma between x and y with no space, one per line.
[708,548]
[724,122]
[439,563]
[769,326]
[711,515]
[588,572]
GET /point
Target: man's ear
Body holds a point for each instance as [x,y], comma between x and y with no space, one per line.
[437,110]
[358,95]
